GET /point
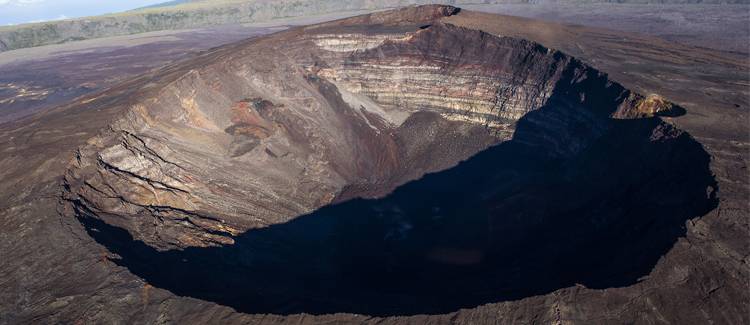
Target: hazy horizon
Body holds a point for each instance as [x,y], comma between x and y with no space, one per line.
[13,12]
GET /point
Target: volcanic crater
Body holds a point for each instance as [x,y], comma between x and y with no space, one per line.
[387,164]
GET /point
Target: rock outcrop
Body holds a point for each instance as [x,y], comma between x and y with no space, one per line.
[258,133]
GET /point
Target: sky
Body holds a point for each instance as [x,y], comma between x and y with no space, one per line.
[26,11]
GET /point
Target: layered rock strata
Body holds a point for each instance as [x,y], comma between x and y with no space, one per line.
[262,131]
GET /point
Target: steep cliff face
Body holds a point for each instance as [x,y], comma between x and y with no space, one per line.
[263,131]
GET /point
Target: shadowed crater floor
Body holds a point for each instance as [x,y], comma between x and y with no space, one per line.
[506,224]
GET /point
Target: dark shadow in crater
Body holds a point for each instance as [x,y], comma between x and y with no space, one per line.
[511,222]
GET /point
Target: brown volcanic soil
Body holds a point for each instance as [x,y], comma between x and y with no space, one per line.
[68,71]
[187,188]
[720,27]
[35,79]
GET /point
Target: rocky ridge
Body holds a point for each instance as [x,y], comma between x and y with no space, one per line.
[195,14]
[234,145]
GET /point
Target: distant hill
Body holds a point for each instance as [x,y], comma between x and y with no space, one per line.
[183,14]
[167,4]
